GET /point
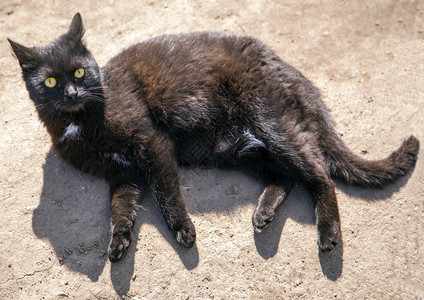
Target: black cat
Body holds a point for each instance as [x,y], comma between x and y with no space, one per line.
[196,99]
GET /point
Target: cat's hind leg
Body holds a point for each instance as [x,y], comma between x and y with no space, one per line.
[251,153]
[271,198]
[301,156]
[317,181]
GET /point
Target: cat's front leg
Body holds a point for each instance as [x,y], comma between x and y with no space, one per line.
[163,177]
[173,209]
[124,198]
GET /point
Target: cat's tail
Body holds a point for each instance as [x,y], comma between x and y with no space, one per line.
[348,167]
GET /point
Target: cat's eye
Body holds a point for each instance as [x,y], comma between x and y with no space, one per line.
[50,82]
[79,73]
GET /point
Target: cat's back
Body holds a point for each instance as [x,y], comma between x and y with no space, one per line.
[189,49]
[195,59]
[171,74]
[188,80]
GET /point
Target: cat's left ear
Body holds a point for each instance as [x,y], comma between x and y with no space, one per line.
[76,31]
[26,56]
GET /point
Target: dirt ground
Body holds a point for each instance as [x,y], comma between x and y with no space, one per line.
[368,61]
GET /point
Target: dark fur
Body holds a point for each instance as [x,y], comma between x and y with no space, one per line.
[195,99]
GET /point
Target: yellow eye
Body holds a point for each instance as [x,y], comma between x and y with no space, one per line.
[79,73]
[50,82]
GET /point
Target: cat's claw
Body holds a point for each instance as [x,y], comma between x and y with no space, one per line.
[119,245]
[187,235]
[262,219]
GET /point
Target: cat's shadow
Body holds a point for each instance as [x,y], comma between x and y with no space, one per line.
[74,216]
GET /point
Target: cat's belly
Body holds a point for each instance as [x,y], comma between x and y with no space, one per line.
[197,150]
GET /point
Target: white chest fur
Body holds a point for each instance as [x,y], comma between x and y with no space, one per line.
[71,132]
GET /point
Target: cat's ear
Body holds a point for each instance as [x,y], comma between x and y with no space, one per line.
[76,31]
[26,56]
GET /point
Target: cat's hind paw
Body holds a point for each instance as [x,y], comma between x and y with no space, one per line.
[261,219]
[328,244]
[186,236]
[119,245]
[328,237]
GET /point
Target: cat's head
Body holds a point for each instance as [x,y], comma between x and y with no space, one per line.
[62,76]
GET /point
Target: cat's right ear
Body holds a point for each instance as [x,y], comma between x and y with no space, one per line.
[27,57]
[76,31]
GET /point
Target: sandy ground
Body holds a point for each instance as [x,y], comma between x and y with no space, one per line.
[368,61]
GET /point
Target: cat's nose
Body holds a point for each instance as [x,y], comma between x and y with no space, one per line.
[71,91]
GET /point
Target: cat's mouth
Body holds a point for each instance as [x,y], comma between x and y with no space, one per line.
[73,105]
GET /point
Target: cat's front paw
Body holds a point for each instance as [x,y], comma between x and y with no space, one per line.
[328,236]
[261,219]
[121,240]
[186,235]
